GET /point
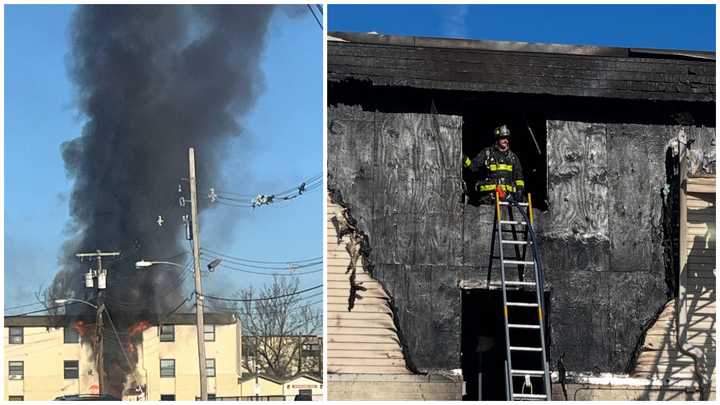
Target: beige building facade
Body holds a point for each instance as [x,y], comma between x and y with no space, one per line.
[46,357]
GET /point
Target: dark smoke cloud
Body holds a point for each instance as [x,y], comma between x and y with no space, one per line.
[151,81]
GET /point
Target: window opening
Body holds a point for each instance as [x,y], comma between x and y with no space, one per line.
[209,333]
[70,335]
[167,333]
[167,368]
[16,335]
[527,142]
[16,370]
[71,369]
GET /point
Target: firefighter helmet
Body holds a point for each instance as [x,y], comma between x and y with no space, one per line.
[502,132]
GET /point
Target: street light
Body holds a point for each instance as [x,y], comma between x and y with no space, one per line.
[61,301]
[144,264]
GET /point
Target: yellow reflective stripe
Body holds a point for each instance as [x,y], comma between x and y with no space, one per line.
[520,183]
[491,187]
[467,162]
[500,167]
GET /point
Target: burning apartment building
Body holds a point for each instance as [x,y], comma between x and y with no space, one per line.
[50,357]
[150,83]
[618,150]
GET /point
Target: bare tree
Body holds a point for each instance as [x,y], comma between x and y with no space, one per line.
[276,329]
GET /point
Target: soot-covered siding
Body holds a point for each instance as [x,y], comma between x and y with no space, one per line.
[601,239]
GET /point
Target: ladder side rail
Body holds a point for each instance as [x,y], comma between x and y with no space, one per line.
[504,297]
[539,291]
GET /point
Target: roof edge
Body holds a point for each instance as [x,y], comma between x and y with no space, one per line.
[516,46]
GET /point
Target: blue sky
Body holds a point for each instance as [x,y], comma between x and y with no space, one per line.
[645,26]
[285,129]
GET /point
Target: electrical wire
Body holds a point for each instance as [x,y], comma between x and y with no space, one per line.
[280,266]
[261,299]
[41,310]
[314,16]
[240,259]
[24,305]
[240,200]
[122,347]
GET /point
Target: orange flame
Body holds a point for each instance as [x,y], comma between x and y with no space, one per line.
[81,327]
[138,328]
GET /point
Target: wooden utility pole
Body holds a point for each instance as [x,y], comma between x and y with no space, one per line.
[100,284]
[198,284]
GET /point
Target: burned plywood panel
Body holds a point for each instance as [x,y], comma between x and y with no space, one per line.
[577,177]
[350,129]
[636,175]
[407,199]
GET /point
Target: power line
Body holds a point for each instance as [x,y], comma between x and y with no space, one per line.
[314,16]
[122,347]
[281,266]
[41,310]
[262,299]
[240,200]
[227,267]
[24,305]
[240,259]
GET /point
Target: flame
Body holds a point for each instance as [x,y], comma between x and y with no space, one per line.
[138,328]
[81,327]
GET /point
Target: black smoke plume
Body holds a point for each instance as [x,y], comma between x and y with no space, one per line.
[151,82]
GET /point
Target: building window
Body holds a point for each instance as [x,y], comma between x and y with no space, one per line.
[167,397]
[209,332]
[167,333]
[70,369]
[167,368]
[70,335]
[16,398]
[16,370]
[210,367]
[16,335]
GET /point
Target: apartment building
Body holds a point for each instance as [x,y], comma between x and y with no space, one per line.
[51,356]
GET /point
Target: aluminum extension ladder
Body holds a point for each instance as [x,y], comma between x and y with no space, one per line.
[530,380]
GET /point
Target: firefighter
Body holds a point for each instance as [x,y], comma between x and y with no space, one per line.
[496,166]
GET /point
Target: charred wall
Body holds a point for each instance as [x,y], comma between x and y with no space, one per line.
[397,167]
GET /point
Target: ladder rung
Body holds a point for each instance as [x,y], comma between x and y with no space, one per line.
[513,223]
[529,396]
[521,304]
[520,203]
[520,282]
[518,262]
[525,349]
[522,326]
[517,242]
[528,372]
